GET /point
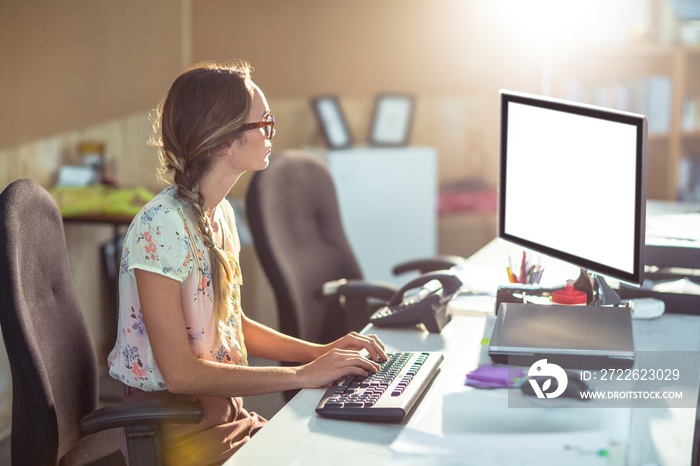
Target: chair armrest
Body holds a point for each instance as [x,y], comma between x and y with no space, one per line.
[428,265]
[356,289]
[142,412]
[357,299]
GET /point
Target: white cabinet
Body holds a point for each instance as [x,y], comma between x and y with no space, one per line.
[388,204]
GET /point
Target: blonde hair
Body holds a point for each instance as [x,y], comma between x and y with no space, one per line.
[199,116]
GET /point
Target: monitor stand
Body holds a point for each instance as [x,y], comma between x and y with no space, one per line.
[598,291]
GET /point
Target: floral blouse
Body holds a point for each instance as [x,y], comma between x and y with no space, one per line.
[163,238]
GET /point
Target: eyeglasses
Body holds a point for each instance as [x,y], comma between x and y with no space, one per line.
[268,124]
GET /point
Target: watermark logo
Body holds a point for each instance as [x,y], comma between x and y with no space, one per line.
[657,379]
[541,369]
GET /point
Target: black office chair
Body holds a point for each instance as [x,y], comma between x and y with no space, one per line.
[51,354]
[294,218]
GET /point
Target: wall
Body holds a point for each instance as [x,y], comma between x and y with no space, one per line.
[363,47]
[70,64]
[67,65]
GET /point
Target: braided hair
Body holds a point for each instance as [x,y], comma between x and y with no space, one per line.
[199,116]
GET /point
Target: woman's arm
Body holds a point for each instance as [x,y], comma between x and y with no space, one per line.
[267,343]
[184,373]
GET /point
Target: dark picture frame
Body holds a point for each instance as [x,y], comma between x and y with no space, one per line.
[391,120]
[332,121]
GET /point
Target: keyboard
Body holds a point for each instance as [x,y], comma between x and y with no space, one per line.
[388,395]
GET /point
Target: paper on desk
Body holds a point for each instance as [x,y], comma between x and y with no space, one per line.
[480,279]
[582,448]
[682,285]
[681,229]
[472,305]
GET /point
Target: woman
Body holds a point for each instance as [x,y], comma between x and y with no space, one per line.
[182,332]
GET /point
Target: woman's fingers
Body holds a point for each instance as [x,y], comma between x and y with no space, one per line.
[356,359]
[371,343]
[338,363]
[378,351]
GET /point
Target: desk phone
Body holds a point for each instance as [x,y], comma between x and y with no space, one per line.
[422,300]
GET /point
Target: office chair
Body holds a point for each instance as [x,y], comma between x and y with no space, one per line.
[51,353]
[295,222]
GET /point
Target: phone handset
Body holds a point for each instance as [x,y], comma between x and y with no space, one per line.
[426,305]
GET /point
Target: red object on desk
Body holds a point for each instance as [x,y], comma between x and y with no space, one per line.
[569,295]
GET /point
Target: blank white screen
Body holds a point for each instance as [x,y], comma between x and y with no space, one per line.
[571,184]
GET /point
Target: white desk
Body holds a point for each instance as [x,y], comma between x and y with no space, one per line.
[297,436]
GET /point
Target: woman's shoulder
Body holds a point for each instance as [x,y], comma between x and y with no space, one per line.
[167,198]
[163,214]
[159,239]
[164,204]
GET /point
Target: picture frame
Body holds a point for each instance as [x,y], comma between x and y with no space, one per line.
[332,121]
[391,120]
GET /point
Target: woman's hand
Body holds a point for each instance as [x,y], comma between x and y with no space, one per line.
[355,341]
[334,365]
[345,356]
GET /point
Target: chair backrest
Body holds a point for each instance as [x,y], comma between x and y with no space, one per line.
[51,354]
[294,218]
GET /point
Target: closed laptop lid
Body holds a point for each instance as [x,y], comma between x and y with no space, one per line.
[562,330]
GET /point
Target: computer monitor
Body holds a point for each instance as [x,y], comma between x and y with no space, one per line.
[572,183]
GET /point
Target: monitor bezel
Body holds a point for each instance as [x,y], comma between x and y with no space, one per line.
[636,277]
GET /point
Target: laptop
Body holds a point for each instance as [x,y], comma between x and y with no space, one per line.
[574,337]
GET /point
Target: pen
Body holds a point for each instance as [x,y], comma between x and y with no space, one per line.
[512,278]
[538,271]
[539,274]
[531,275]
[523,268]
